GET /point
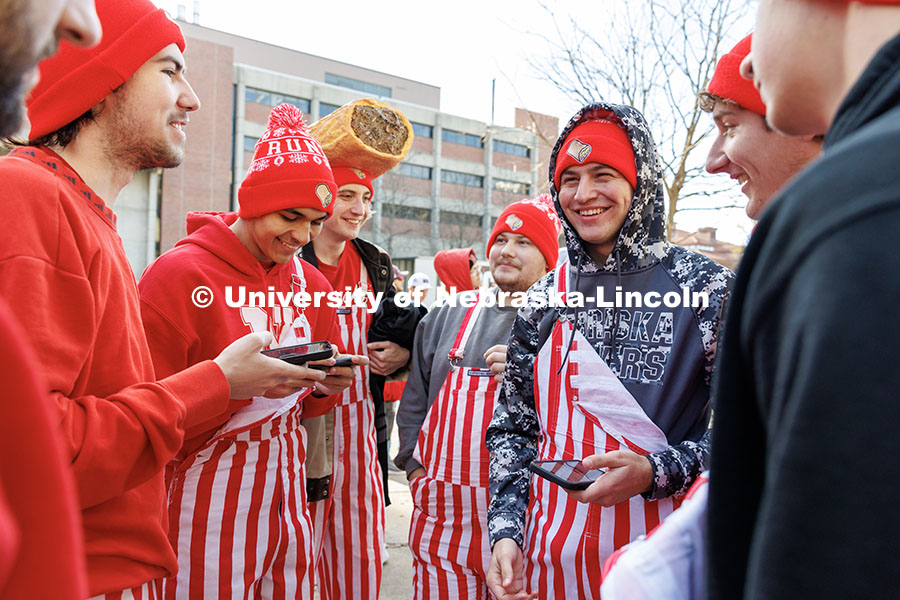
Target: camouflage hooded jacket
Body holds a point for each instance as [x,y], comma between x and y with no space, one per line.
[664,356]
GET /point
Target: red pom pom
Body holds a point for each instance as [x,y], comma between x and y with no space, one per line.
[287,116]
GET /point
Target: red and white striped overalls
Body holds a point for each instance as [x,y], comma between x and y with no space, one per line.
[352,521]
[584,410]
[238,517]
[448,533]
[148,591]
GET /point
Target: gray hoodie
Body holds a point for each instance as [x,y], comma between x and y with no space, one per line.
[435,336]
[663,356]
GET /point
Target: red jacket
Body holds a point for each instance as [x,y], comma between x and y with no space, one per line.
[65,275]
[181,334]
[41,547]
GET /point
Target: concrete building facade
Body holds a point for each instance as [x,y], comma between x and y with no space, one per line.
[457,178]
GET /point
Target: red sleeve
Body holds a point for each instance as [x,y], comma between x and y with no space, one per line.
[116,436]
[48,560]
[171,353]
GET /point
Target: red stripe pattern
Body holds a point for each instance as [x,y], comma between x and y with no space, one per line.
[237,511]
[149,591]
[567,541]
[448,531]
[352,523]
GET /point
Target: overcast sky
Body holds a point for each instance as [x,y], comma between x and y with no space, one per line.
[458,46]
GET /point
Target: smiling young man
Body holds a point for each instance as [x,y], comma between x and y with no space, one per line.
[803,495]
[98,116]
[41,546]
[574,373]
[351,519]
[746,149]
[262,529]
[448,403]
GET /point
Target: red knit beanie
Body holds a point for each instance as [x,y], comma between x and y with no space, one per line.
[727,82]
[535,219]
[453,268]
[289,169]
[598,141]
[347,175]
[75,79]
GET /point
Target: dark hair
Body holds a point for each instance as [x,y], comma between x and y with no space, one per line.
[62,137]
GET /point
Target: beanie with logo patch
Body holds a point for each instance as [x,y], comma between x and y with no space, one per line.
[347,175]
[76,79]
[289,169]
[535,219]
[602,141]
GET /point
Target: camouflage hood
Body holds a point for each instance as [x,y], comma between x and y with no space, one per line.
[642,239]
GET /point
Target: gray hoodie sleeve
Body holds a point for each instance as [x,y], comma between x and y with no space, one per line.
[415,402]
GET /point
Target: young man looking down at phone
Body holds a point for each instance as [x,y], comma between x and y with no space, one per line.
[99,115]
[626,387]
[239,482]
[458,359]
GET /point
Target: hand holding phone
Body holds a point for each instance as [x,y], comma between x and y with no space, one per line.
[569,474]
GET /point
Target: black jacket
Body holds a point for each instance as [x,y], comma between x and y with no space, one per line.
[805,476]
[378,267]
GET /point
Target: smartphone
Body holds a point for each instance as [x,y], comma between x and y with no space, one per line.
[569,474]
[344,361]
[302,353]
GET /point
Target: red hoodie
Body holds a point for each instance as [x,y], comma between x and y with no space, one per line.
[65,276]
[181,334]
[454,269]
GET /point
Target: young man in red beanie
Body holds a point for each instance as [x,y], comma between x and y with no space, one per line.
[41,546]
[804,491]
[64,272]
[622,386]
[746,148]
[448,403]
[238,484]
[457,269]
[350,521]
[669,560]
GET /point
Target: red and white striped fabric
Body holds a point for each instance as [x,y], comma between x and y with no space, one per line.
[583,410]
[352,523]
[237,509]
[148,591]
[238,516]
[448,530]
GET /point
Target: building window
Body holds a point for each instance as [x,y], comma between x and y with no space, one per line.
[265,98]
[398,211]
[514,149]
[249,144]
[513,187]
[449,217]
[359,86]
[414,171]
[326,109]
[465,139]
[462,178]
[423,131]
